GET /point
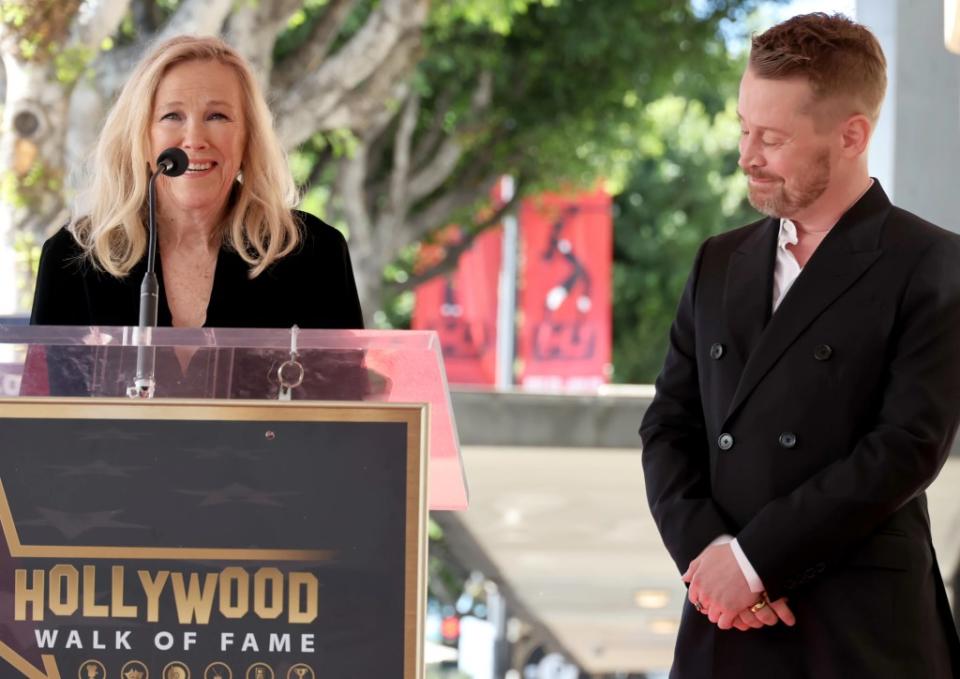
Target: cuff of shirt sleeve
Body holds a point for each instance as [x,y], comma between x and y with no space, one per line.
[721,540]
[753,580]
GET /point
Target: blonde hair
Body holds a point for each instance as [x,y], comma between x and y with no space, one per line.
[259,225]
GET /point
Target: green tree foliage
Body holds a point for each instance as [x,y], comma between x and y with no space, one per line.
[568,75]
[684,187]
[568,78]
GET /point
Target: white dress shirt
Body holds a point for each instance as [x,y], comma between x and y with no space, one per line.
[786,269]
[785,273]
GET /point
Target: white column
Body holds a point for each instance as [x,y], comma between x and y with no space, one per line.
[915,151]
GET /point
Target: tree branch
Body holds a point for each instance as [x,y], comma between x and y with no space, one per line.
[378,141]
[112,68]
[453,253]
[144,14]
[97,21]
[376,185]
[374,100]
[399,197]
[324,158]
[310,55]
[431,177]
[198,17]
[444,162]
[252,29]
[307,106]
[429,140]
[353,170]
[439,211]
[433,172]
[378,118]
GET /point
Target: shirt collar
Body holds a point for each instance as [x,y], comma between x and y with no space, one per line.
[788,234]
[788,230]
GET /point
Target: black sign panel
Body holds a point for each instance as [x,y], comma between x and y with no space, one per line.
[210,540]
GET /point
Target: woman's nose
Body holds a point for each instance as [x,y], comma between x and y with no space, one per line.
[194,135]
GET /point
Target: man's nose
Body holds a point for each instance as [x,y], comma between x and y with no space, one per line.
[750,154]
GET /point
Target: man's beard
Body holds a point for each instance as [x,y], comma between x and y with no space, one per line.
[776,200]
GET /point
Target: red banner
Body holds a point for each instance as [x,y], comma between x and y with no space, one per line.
[462,307]
[564,339]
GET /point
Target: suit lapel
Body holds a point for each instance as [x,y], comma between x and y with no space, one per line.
[748,289]
[847,252]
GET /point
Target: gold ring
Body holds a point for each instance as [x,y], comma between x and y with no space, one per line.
[757,606]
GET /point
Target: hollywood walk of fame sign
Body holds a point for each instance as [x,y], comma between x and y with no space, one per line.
[211,539]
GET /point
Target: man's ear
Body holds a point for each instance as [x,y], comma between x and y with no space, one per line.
[855,134]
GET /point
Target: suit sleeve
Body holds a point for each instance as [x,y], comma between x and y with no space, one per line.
[675,454]
[59,297]
[898,457]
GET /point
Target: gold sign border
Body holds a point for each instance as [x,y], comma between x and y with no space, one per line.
[414,415]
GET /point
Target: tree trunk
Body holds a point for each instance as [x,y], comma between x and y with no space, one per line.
[368,270]
[31,189]
[53,125]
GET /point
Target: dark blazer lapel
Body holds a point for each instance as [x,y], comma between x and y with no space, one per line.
[748,289]
[843,257]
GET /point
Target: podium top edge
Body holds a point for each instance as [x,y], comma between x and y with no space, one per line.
[254,338]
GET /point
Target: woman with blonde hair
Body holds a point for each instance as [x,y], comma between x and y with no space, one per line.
[232,251]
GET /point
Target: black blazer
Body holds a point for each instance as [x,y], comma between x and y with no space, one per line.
[811,435]
[312,287]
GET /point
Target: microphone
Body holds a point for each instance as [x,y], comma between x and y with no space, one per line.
[172,162]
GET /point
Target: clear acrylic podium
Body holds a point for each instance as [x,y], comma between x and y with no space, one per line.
[261,516]
[370,366]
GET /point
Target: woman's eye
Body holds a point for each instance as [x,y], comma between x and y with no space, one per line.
[217,116]
[170,116]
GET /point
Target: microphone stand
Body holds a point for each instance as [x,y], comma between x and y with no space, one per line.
[172,162]
[145,383]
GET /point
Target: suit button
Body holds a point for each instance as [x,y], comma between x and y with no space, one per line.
[725,442]
[716,351]
[788,440]
[823,352]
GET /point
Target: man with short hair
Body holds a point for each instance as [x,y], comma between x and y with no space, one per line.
[810,393]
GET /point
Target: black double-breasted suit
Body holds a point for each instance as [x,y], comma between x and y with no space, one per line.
[810,434]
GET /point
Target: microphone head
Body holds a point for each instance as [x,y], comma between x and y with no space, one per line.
[173,161]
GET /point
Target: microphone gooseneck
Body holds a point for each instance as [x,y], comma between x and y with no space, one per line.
[173,162]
